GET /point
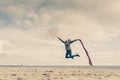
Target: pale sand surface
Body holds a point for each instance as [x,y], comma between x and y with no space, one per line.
[58,73]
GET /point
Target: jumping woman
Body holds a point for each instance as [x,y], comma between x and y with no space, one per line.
[68,48]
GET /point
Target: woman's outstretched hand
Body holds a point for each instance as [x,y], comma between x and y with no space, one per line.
[78,39]
[58,37]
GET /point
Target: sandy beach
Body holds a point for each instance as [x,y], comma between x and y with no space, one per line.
[58,73]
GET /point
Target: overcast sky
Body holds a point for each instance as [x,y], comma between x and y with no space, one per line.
[28,30]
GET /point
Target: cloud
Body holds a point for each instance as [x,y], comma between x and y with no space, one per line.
[1,21]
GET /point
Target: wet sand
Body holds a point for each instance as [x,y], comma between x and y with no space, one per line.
[58,73]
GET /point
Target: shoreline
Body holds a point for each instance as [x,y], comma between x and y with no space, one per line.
[59,66]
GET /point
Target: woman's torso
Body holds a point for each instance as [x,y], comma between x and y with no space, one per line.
[67,45]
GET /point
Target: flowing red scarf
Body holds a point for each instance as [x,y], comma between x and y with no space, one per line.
[90,62]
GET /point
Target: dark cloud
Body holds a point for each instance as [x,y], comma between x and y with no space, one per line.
[100,11]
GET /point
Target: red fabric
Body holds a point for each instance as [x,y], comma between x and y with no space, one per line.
[90,62]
